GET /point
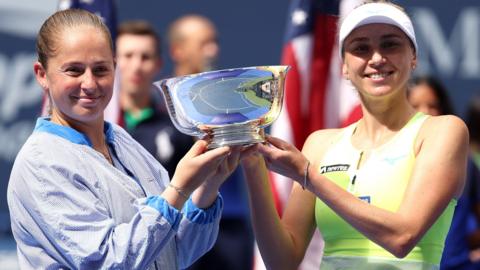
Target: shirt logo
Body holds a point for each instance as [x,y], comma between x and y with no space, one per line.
[365,198]
[394,159]
[334,168]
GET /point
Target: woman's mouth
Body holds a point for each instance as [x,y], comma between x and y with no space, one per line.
[88,100]
[378,75]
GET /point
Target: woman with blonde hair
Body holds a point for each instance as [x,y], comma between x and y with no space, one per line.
[382,191]
[82,193]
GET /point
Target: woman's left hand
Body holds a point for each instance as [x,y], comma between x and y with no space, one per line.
[206,193]
[284,158]
[226,168]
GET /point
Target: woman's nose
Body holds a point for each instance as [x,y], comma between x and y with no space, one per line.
[377,58]
[88,80]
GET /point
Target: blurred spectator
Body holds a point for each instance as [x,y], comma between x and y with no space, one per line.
[428,95]
[473,123]
[193,44]
[145,116]
[194,49]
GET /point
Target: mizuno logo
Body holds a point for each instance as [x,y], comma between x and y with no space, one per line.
[393,160]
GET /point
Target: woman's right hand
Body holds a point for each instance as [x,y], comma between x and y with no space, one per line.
[250,157]
[284,158]
[197,166]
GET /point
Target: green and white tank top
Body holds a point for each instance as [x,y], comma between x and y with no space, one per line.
[381,181]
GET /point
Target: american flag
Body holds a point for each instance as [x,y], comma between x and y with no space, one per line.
[316,95]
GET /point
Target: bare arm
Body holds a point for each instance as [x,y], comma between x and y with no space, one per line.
[282,242]
[438,176]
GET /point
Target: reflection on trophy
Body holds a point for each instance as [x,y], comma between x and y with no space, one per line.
[229,107]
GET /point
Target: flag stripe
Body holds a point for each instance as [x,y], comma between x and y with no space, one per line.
[292,98]
[325,32]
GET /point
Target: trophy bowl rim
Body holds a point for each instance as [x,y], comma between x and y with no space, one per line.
[287,67]
[188,126]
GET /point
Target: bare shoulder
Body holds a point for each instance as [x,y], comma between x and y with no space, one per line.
[319,142]
[447,131]
[442,144]
[444,126]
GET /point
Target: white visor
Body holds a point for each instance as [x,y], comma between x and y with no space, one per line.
[376,13]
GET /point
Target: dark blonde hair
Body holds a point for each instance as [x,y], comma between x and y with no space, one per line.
[49,34]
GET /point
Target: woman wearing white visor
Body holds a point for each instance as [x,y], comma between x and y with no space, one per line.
[381,191]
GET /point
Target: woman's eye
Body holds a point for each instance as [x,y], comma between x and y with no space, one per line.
[101,70]
[73,71]
[389,45]
[360,49]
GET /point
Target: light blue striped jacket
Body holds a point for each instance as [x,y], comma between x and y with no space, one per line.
[70,208]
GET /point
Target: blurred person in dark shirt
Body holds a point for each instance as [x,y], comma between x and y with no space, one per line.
[473,124]
[193,49]
[144,113]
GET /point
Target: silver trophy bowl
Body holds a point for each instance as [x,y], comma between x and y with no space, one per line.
[227,107]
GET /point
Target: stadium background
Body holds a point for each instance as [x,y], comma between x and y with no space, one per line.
[251,33]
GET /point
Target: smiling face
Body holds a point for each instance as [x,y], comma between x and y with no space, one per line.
[79,75]
[378,59]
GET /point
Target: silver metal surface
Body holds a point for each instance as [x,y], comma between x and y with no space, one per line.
[228,107]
